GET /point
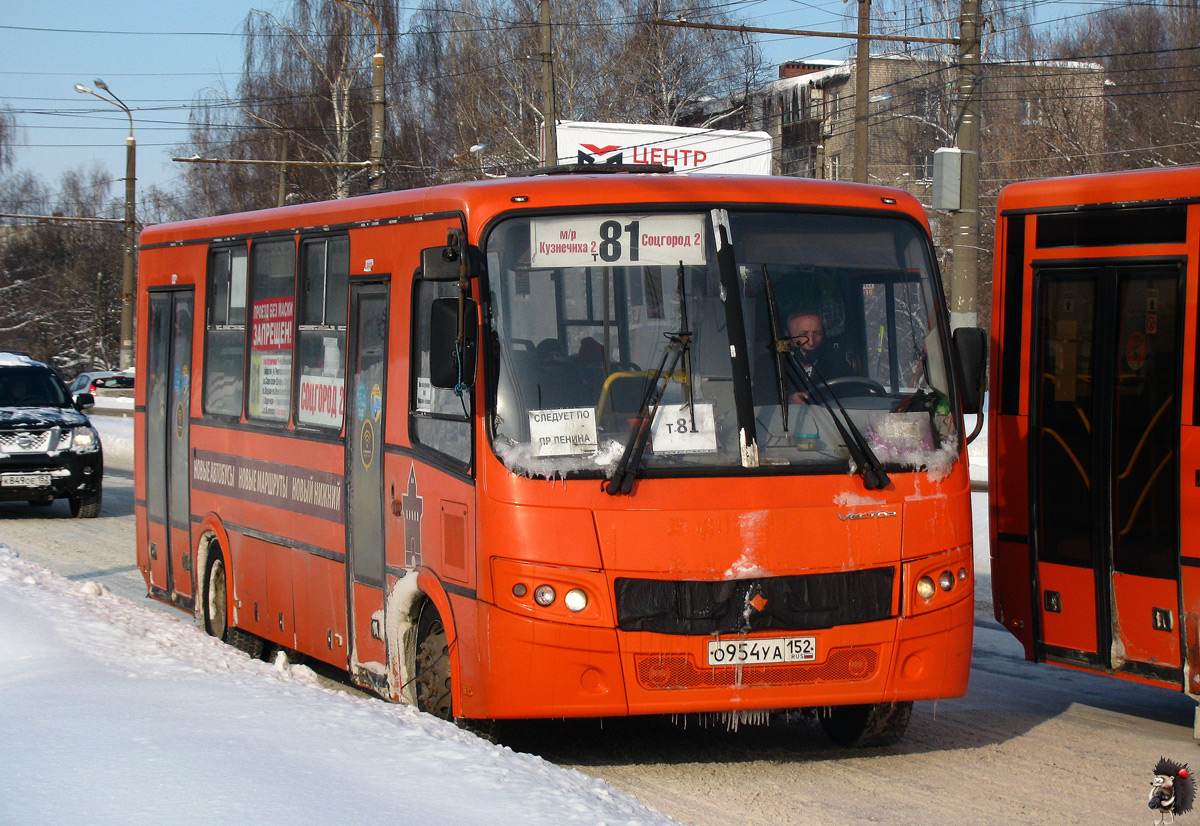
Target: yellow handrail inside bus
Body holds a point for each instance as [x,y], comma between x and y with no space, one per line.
[1149,484]
[678,375]
[1142,442]
[1087,482]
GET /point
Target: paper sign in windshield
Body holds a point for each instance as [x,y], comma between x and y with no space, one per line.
[563,432]
[676,430]
[617,240]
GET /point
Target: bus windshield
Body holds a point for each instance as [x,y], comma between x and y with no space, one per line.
[602,321]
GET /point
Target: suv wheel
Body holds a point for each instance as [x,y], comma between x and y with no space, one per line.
[85,505]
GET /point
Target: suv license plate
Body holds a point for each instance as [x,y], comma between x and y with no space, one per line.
[25,480]
[762,652]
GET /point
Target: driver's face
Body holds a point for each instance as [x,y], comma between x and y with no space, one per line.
[807,330]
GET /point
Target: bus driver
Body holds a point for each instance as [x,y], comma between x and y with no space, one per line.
[806,328]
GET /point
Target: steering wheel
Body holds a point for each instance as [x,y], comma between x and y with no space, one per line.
[845,385]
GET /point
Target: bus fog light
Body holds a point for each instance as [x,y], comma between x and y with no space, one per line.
[575,600]
[544,595]
[925,588]
[520,589]
[962,574]
[946,580]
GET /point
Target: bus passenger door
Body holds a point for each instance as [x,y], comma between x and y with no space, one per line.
[366,397]
[168,471]
[1105,466]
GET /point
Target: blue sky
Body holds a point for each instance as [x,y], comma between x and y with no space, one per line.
[157,55]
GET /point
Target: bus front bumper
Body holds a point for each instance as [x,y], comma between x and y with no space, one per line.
[552,669]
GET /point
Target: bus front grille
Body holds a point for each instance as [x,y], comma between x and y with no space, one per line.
[792,603]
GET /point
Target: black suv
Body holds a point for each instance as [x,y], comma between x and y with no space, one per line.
[48,448]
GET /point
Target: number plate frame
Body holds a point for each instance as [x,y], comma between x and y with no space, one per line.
[769,651]
[25,480]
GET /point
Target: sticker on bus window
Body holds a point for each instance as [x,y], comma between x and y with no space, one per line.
[676,430]
[617,241]
[321,400]
[424,395]
[563,431]
[271,358]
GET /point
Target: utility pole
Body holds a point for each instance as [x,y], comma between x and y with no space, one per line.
[283,172]
[964,273]
[862,91]
[377,115]
[549,111]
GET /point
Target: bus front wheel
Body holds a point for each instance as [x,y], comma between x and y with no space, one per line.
[216,610]
[433,666]
[864,726]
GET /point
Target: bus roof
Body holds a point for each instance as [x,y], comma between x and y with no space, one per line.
[1181,183]
[482,200]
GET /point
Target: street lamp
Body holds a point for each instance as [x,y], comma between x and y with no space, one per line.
[127,275]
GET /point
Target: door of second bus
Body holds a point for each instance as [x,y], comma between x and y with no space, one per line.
[366,409]
[1104,465]
[168,394]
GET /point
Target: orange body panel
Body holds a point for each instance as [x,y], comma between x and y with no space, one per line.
[1074,626]
[1138,598]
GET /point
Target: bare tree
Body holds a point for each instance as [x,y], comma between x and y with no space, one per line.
[60,281]
[304,96]
[1151,56]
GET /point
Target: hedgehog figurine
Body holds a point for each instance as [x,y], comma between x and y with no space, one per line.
[1173,791]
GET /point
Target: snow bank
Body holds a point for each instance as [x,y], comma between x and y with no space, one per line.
[114,714]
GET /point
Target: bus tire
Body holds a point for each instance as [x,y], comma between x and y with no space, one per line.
[433,677]
[866,726]
[216,609]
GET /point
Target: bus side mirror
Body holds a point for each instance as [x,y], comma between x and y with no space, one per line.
[451,361]
[446,263]
[970,346]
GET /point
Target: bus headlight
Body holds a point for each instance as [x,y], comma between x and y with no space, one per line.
[925,587]
[544,596]
[946,580]
[575,600]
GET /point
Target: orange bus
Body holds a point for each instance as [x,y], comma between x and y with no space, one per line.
[548,446]
[1093,425]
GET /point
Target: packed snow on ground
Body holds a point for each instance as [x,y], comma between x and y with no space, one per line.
[114,714]
[110,714]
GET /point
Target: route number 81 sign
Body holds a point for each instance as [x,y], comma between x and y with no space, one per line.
[617,241]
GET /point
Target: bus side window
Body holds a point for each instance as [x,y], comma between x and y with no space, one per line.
[272,320]
[324,271]
[440,418]
[225,332]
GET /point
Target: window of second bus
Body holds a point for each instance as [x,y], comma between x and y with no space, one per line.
[325,270]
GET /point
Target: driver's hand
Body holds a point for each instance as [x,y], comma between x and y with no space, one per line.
[799,397]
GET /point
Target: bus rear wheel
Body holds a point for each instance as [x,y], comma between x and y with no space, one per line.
[865,726]
[216,610]
[433,667]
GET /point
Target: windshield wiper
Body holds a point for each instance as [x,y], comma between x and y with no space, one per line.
[779,348]
[678,350]
[809,380]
